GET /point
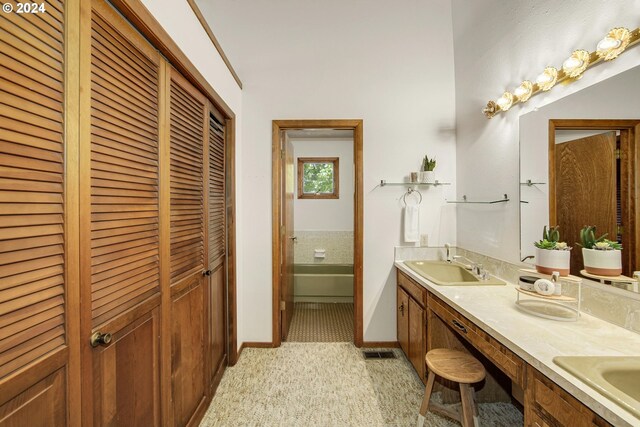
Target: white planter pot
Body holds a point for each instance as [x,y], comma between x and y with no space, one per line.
[602,263]
[428,177]
[548,261]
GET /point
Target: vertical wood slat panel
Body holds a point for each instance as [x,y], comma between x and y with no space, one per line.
[32,281]
[124,175]
[217,207]
[186,180]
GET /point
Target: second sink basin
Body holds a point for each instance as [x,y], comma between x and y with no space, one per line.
[449,274]
[616,377]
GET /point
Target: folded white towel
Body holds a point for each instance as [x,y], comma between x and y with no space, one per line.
[412,223]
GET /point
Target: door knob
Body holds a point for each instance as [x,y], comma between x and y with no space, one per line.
[98,338]
[294,238]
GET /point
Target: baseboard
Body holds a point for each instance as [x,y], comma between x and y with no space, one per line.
[254,344]
[381,344]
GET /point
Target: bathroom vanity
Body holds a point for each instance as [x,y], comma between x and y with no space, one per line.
[515,348]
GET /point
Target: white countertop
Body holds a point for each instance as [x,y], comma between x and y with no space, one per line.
[538,341]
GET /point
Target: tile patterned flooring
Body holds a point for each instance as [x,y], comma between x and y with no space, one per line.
[321,322]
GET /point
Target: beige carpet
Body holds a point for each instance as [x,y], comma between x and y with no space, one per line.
[321,322]
[327,384]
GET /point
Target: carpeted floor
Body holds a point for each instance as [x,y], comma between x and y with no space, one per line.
[328,384]
[321,322]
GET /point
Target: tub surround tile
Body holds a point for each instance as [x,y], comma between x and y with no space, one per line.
[538,340]
[338,246]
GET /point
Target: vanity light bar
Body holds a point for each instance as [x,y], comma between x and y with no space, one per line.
[612,45]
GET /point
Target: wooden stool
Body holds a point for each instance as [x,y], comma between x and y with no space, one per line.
[459,367]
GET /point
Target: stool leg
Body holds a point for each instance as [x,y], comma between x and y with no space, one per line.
[469,417]
[427,396]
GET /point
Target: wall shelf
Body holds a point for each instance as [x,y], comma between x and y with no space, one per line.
[530,183]
[483,202]
[384,183]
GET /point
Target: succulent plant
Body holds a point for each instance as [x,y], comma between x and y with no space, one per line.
[428,164]
[589,241]
[550,240]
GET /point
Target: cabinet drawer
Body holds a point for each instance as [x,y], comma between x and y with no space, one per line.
[555,403]
[416,291]
[501,356]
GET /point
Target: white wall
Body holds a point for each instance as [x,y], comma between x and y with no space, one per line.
[390,64]
[497,45]
[183,26]
[325,214]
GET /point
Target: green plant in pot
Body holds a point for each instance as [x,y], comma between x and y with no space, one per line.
[601,256]
[427,174]
[552,254]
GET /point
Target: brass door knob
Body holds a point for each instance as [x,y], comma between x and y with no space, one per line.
[98,338]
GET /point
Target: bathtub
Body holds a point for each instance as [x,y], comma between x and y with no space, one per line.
[323,282]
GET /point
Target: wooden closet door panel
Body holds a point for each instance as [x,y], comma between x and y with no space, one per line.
[217,242]
[187,231]
[33,266]
[120,263]
[187,134]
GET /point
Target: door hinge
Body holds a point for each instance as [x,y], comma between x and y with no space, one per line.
[283,306]
[282,154]
[619,229]
[618,153]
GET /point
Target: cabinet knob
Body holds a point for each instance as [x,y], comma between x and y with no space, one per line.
[98,338]
[401,308]
[206,273]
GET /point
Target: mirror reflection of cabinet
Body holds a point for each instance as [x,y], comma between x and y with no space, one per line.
[591,182]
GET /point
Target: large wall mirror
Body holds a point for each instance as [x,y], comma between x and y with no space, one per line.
[579,159]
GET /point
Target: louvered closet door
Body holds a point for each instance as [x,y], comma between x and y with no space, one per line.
[33,289]
[187,232]
[120,234]
[217,246]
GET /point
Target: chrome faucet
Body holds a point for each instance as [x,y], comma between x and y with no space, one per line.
[472,266]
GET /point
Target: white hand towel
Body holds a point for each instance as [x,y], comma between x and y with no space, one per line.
[411,223]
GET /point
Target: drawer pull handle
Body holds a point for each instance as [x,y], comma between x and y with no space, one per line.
[401,308]
[459,326]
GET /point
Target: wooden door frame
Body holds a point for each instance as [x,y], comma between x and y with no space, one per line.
[630,135]
[358,209]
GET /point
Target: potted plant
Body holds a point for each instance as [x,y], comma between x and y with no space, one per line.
[428,165]
[601,256]
[552,254]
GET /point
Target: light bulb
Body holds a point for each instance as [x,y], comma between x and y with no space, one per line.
[505,101]
[614,43]
[547,79]
[575,65]
[524,91]
[608,43]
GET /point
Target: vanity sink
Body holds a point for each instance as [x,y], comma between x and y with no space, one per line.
[616,377]
[449,274]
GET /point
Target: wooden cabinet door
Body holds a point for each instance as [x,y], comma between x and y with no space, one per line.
[119,232]
[417,342]
[189,310]
[403,320]
[35,274]
[217,247]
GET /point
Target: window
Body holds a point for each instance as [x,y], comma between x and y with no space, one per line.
[318,178]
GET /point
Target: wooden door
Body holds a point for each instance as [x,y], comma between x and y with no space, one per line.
[585,185]
[119,233]
[187,135]
[35,265]
[403,320]
[417,334]
[287,238]
[217,247]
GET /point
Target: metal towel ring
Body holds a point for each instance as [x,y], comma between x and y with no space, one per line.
[409,192]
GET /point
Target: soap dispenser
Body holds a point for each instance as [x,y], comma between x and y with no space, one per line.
[555,279]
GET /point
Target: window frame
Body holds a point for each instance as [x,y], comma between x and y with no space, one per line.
[336,177]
